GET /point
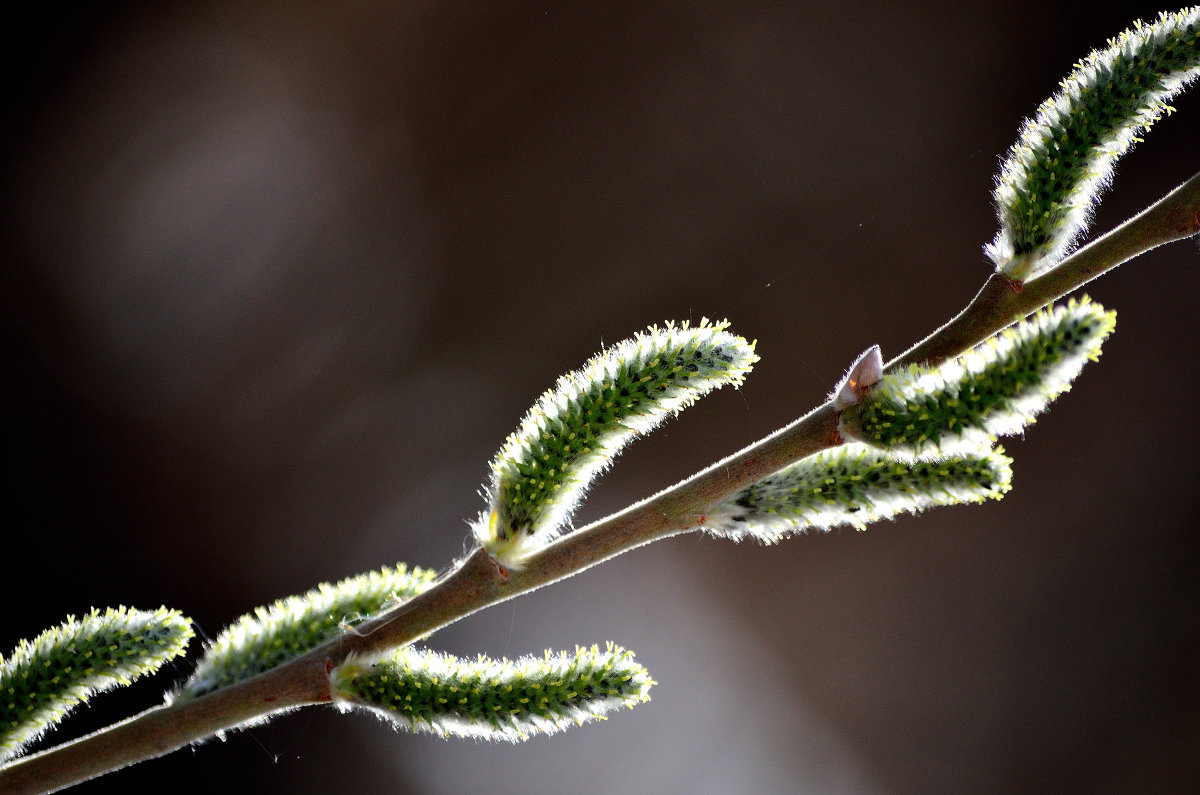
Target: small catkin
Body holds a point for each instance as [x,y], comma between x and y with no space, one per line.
[423,690]
[272,635]
[996,389]
[1064,156]
[64,666]
[575,429]
[855,485]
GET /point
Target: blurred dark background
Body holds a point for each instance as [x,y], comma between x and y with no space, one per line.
[280,277]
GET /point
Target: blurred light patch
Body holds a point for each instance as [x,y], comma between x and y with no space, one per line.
[232,243]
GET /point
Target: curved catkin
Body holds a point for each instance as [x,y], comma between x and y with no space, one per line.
[44,678]
[575,429]
[1063,159]
[427,691]
[996,389]
[855,485]
[272,635]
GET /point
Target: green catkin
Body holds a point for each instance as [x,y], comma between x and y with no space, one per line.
[423,690]
[855,485]
[44,678]
[1063,159]
[272,635]
[575,429]
[996,389]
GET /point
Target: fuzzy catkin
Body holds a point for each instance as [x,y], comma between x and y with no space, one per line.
[996,389]
[575,429]
[855,485]
[274,634]
[423,690]
[64,666]
[1064,156]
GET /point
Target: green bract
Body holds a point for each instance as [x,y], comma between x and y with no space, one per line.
[1064,157]
[290,627]
[64,666]
[993,390]
[492,699]
[575,429]
[855,485]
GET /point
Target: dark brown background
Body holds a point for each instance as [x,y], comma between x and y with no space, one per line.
[281,277]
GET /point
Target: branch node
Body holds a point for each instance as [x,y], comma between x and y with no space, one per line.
[1016,285]
[501,570]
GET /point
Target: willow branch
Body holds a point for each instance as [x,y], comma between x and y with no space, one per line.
[478,581]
